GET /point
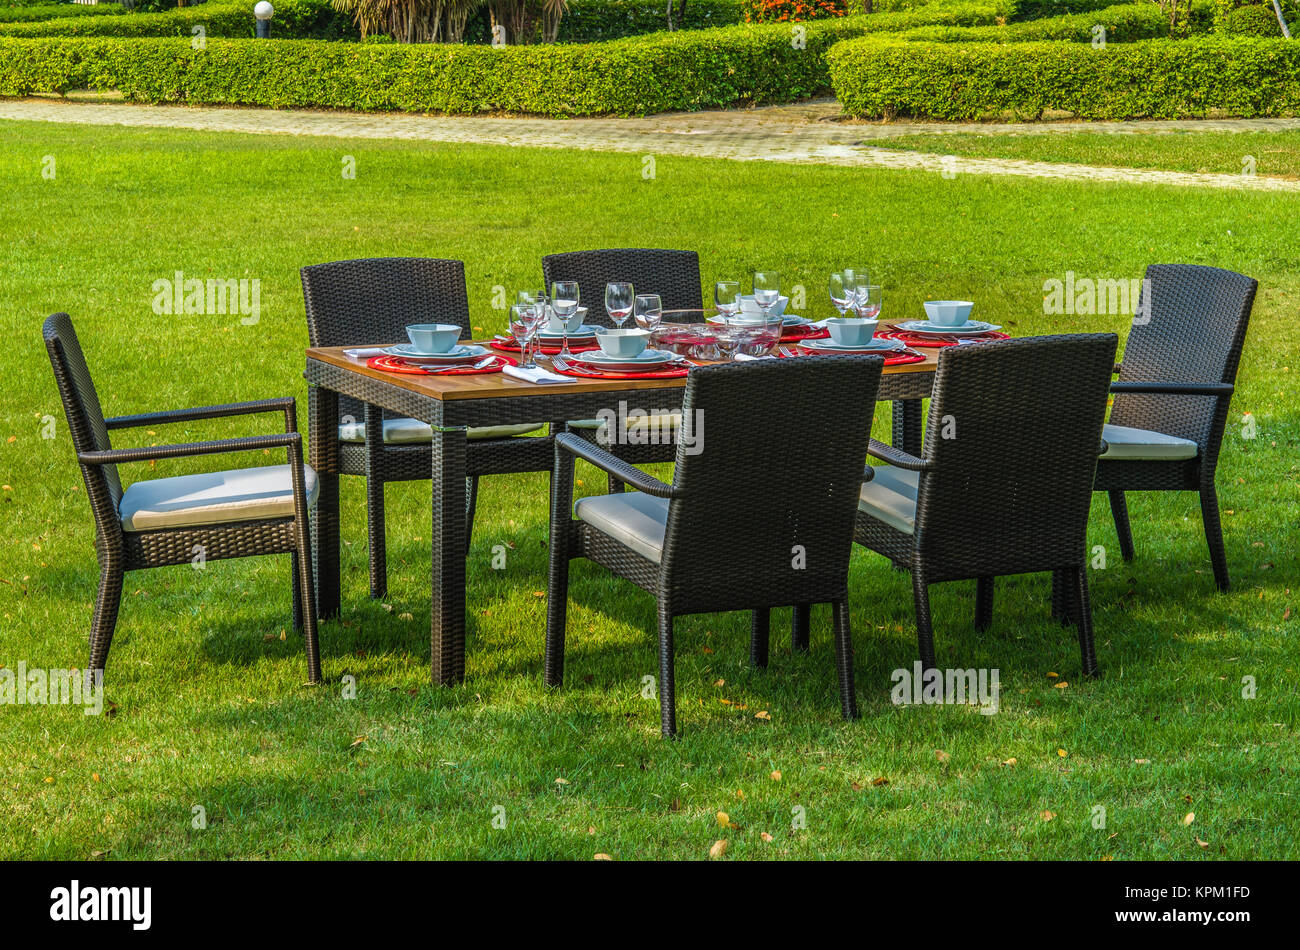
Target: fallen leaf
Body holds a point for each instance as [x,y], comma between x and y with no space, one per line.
[1053,676]
[740,793]
[1062,753]
[94,776]
[1108,857]
[720,683]
[1047,815]
[600,856]
[775,776]
[1011,761]
[1142,761]
[1061,685]
[719,848]
[941,755]
[765,836]
[49,780]
[881,780]
[706,650]
[1203,844]
[763,714]
[1189,818]
[724,820]
[561,781]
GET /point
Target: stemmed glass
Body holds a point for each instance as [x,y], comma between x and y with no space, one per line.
[619,297]
[564,301]
[842,291]
[767,290]
[649,310]
[726,297]
[866,300]
[524,321]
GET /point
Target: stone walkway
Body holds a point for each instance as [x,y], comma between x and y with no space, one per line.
[806,133]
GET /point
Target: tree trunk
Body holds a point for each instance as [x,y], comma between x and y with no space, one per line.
[1286,30]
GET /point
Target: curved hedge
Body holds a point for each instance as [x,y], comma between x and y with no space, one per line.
[50,11]
[1160,79]
[293,19]
[1123,24]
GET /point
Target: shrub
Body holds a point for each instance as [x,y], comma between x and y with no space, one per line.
[293,18]
[1165,79]
[51,11]
[1258,20]
[1123,24]
[793,11]
[586,21]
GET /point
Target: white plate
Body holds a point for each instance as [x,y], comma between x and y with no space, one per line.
[789,321]
[877,345]
[970,328]
[583,331]
[461,353]
[650,359]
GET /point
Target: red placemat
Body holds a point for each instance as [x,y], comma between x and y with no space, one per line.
[395,364]
[546,350]
[891,332]
[803,332]
[598,374]
[894,358]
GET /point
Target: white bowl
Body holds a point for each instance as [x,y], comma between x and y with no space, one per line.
[625,344]
[749,307]
[948,313]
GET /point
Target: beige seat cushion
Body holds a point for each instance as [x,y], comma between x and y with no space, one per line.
[633,518]
[890,496]
[398,431]
[1142,444]
[668,422]
[244,494]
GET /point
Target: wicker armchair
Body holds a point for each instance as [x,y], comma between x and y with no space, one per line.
[167,521]
[363,302]
[721,537]
[673,275]
[1171,400]
[1005,480]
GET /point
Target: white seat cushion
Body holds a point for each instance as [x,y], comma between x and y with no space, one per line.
[413,430]
[1138,444]
[668,422]
[243,494]
[633,518]
[890,496]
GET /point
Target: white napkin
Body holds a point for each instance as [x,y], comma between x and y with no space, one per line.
[745,358]
[364,353]
[537,375]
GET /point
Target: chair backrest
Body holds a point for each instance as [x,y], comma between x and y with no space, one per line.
[373,300]
[1013,435]
[1190,329]
[673,275]
[770,468]
[85,417]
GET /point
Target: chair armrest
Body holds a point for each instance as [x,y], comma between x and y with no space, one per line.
[1174,389]
[623,471]
[285,404]
[144,454]
[897,457]
[1103,448]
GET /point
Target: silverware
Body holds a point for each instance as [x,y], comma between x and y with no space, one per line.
[447,369]
[560,363]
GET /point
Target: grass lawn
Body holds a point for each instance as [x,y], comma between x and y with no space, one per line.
[210,707]
[1275,154]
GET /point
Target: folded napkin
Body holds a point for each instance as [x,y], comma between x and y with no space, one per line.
[537,375]
[745,358]
[364,353]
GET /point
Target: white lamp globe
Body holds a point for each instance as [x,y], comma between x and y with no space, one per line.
[263,11]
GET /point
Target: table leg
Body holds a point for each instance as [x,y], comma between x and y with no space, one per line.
[907,426]
[447,622]
[323,456]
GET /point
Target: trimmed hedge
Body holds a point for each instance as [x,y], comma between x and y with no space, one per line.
[301,19]
[51,11]
[1161,79]
[1124,24]
[587,21]
[1258,20]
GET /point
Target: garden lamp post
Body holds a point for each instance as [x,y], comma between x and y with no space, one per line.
[263,11]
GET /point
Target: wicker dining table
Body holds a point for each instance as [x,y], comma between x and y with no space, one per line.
[451,404]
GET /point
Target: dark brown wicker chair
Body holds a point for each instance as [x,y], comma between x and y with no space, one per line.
[1005,481]
[1171,399]
[673,275]
[170,521]
[371,301]
[721,536]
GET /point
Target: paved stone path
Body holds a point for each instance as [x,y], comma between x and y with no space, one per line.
[806,133]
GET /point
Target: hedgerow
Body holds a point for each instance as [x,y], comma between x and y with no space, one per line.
[293,19]
[50,11]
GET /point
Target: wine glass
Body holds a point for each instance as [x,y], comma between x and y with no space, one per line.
[767,290]
[648,311]
[842,291]
[618,301]
[564,297]
[523,325]
[857,275]
[726,297]
[866,300]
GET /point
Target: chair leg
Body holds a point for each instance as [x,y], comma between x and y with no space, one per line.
[1119,510]
[307,598]
[667,692]
[844,659]
[1062,597]
[799,622]
[376,537]
[557,606]
[924,631]
[471,504]
[983,603]
[759,629]
[297,590]
[104,619]
[1083,618]
[1214,535]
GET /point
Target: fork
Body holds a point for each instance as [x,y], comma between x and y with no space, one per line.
[479,365]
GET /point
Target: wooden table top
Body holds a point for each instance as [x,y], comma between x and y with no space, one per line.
[499,385]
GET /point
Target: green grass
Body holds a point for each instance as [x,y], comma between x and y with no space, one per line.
[1275,154]
[210,706]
